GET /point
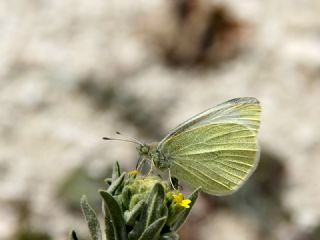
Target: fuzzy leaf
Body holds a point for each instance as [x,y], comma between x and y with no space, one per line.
[73,235]
[115,225]
[91,218]
[116,183]
[108,181]
[184,214]
[169,236]
[153,210]
[116,171]
[131,216]
[155,204]
[153,231]
[126,194]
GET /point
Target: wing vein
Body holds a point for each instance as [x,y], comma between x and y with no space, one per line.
[207,176]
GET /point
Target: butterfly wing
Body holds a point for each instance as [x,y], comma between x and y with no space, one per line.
[245,111]
[216,149]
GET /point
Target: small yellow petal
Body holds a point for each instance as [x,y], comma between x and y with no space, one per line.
[185,203]
[133,173]
[178,198]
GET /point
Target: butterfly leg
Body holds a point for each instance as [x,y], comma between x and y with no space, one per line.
[140,162]
[170,179]
[151,168]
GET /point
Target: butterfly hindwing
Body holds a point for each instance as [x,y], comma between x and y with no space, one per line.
[217,157]
[216,149]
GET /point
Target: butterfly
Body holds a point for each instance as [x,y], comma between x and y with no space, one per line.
[216,150]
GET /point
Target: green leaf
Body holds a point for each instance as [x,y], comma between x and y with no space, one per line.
[108,181]
[153,231]
[153,209]
[116,183]
[184,214]
[131,216]
[155,204]
[73,235]
[91,218]
[126,194]
[169,236]
[115,225]
[116,171]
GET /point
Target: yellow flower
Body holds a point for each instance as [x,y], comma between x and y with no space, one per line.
[134,173]
[179,199]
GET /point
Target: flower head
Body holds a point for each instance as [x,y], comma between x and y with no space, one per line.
[131,198]
[179,199]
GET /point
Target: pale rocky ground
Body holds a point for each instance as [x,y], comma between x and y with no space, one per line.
[48,127]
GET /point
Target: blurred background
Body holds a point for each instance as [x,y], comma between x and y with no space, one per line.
[74,71]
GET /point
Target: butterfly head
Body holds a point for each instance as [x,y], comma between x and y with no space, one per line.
[147,150]
[151,152]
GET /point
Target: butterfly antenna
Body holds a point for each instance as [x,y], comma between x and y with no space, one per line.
[131,138]
[126,139]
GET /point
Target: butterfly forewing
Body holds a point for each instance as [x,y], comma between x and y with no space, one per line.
[216,149]
[245,111]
